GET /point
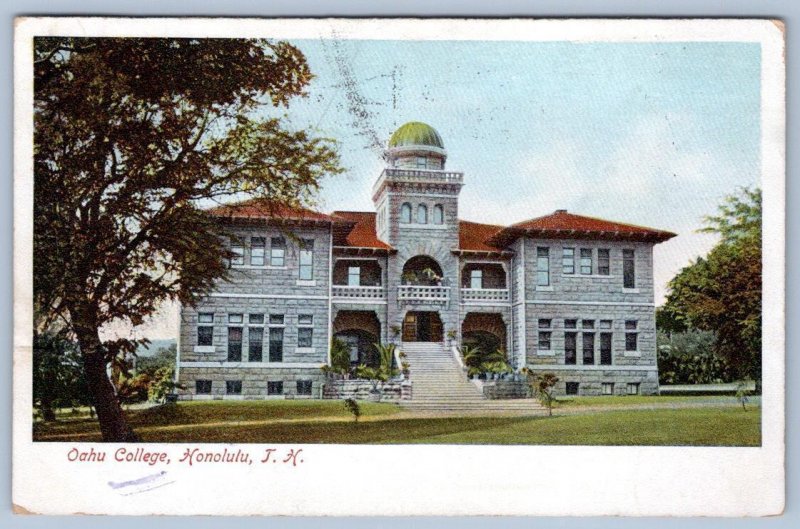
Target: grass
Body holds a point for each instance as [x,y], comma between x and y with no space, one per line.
[714,424]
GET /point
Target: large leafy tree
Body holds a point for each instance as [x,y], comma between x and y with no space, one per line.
[722,291]
[132,138]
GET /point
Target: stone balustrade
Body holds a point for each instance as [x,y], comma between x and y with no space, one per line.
[482,295]
[356,293]
[435,294]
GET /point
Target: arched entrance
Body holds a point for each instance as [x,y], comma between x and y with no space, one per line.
[422,326]
[360,331]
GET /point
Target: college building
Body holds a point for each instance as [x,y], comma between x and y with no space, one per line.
[561,293]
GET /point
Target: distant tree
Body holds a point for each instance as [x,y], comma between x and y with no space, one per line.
[132,137]
[721,292]
[57,374]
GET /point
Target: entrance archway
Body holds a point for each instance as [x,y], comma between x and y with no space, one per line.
[422,326]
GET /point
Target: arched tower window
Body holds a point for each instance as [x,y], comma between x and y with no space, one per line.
[438,214]
[405,213]
[422,214]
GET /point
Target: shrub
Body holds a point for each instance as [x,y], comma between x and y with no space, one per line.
[542,385]
[340,356]
[352,406]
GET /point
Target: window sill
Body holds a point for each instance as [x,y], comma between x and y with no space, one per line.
[258,267]
[633,354]
[205,349]
[306,283]
[544,289]
[303,350]
[545,353]
[588,276]
[630,290]
[429,226]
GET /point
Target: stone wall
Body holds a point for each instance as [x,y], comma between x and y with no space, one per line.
[505,389]
[254,382]
[590,382]
[392,391]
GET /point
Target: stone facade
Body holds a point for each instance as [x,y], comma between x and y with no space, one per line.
[569,295]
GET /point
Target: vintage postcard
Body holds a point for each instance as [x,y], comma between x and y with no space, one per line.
[399,267]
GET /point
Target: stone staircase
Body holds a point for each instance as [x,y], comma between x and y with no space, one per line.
[440,385]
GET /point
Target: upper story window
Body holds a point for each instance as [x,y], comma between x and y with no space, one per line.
[306,259]
[277,252]
[422,214]
[257,249]
[586,261]
[631,336]
[476,279]
[353,276]
[603,261]
[438,214]
[205,328]
[405,213]
[237,248]
[628,269]
[568,261]
[543,266]
[422,162]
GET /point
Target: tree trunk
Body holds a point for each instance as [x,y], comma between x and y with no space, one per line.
[113,424]
[46,401]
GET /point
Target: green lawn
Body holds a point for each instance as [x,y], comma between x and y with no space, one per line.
[720,423]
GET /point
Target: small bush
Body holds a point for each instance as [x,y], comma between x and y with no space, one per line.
[352,406]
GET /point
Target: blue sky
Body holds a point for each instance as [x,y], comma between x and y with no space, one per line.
[647,133]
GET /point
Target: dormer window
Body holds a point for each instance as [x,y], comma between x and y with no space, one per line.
[405,213]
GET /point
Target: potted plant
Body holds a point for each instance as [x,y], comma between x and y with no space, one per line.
[451,336]
[406,368]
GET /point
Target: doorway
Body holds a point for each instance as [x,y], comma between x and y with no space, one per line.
[420,326]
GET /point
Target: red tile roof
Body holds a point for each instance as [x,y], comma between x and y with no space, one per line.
[259,208]
[564,225]
[472,236]
[363,234]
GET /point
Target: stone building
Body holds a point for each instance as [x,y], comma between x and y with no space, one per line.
[561,293]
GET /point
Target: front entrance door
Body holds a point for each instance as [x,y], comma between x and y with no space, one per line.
[422,327]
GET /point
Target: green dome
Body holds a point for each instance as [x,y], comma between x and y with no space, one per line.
[416,133]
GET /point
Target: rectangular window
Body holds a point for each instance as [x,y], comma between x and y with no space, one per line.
[543,266]
[305,337]
[255,344]
[234,344]
[233,387]
[568,261]
[633,388]
[256,319]
[628,269]
[476,279]
[276,319]
[588,348]
[570,324]
[587,324]
[545,323]
[237,248]
[275,388]
[572,388]
[235,318]
[544,340]
[608,388]
[605,348]
[605,324]
[202,387]
[603,261]
[258,247]
[353,276]
[422,162]
[631,338]
[304,387]
[570,347]
[306,259]
[276,344]
[305,319]
[277,251]
[586,261]
[205,333]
